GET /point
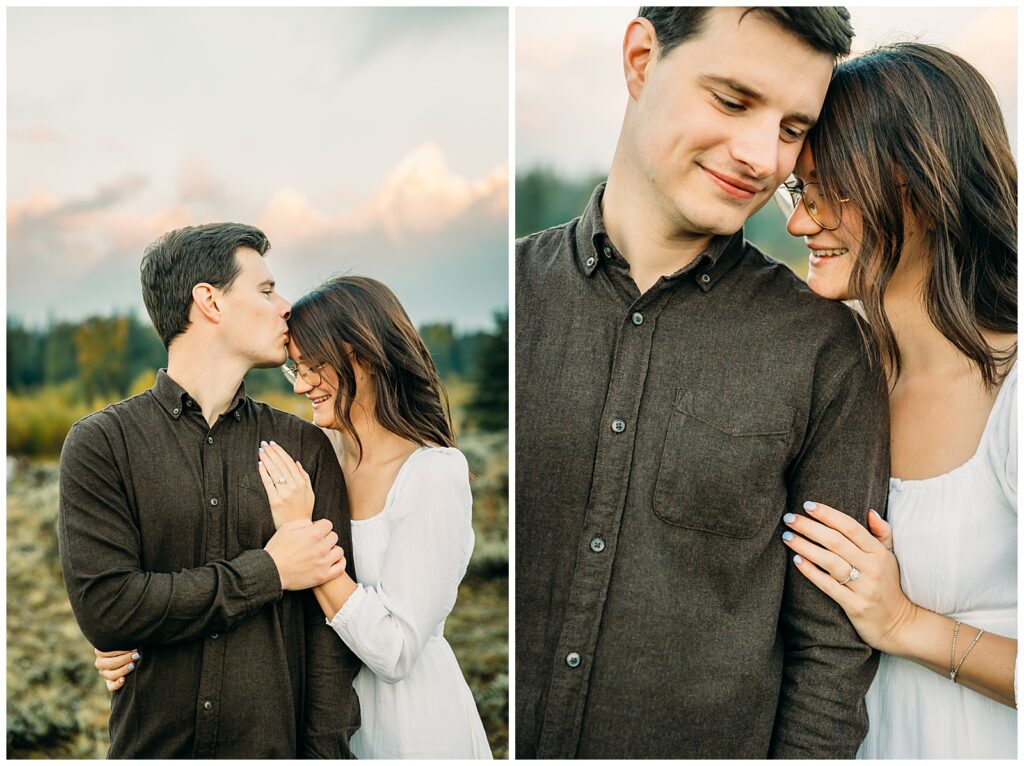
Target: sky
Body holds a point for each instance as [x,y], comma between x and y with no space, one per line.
[570,93]
[370,141]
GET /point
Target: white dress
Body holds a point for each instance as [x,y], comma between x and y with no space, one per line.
[955,537]
[410,559]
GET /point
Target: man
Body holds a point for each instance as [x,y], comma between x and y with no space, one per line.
[677,393]
[166,535]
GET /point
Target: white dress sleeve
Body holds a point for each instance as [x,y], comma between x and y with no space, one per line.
[1011,452]
[387,626]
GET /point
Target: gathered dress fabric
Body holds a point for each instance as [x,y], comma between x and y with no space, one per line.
[955,537]
[410,559]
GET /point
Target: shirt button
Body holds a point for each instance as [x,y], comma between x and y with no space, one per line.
[209,440]
[215,636]
[238,415]
[573,659]
[175,411]
[607,252]
[638,319]
[214,501]
[207,705]
[618,425]
[597,545]
[591,261]
[188,402]
[705,278]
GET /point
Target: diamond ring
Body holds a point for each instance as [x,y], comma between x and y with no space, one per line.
[854,574]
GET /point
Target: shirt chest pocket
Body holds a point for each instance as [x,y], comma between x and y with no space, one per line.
[254,523]
[723,466]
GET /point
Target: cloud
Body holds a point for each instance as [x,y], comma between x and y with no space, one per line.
[37,134]
[421,195]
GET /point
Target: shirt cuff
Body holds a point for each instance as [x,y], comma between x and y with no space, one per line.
[260,579]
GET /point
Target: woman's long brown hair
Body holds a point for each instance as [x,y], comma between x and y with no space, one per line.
[912,127]
[364,314]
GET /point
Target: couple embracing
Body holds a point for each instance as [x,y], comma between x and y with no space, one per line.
[255,588]
[707,449]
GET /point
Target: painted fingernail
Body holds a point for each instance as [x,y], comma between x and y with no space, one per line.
[274,443]
[875,512]
[262,442]
[131,666]
[121,680]
[789,518]
[787,535]
[797,559]
[261,450]
[809,506]
[135,656]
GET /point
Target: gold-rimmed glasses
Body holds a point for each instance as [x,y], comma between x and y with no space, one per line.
[817,207]
[304,371]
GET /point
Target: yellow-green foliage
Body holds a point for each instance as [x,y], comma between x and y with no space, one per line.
[37,423]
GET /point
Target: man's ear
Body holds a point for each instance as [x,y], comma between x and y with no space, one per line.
[206,299]
[639,49]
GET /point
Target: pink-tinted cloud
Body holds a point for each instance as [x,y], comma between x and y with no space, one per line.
[37,134]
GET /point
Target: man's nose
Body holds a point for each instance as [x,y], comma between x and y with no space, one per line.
[757,147]
[285,309]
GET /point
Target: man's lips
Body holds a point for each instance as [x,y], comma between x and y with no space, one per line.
[731,186]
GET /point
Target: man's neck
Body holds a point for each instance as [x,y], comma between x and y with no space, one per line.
[211,378]
[640,231]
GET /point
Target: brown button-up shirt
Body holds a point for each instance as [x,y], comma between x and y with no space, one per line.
[162,526]
[660,438]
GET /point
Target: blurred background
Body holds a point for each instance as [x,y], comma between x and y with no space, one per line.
[361,141]
[571,96]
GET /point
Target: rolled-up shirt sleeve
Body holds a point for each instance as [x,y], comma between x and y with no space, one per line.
[116,602]
[430,517]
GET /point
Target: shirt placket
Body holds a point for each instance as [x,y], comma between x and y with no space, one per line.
[596,544]
[215,496]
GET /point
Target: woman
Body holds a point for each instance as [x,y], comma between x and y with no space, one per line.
[374,388]
[906,195]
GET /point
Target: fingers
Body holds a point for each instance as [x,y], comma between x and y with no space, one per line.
[115,653]
[842,523]
[835,565]
[880,528]
[268,483]
[337,569]
[824,581]
[826,536]
[323,526]
[106,661]
[116,673]
[113,686]
[279,463]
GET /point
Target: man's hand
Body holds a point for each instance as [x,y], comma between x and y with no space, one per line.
[306,554]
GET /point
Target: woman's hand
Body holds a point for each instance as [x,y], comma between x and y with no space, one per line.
[287,484]
[872,598]
[115,666]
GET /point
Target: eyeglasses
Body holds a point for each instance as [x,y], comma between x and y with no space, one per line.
[815,204]
[307,373]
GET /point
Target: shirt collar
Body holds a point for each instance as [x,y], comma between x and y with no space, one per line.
[175,399]
[594,246]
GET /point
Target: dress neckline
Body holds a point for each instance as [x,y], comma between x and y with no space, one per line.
[391,491]
[899,484]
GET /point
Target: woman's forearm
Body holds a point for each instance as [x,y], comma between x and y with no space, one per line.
[333,594]
[988,669]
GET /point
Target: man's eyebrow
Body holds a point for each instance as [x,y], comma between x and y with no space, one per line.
[267,283]
[755,95]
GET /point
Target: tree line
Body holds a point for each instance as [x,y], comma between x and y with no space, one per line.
[105,357]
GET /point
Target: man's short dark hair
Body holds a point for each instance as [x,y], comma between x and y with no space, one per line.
[181,259]
[826,29]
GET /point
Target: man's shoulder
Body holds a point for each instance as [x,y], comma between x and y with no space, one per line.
[545,245]
[775,288]
[113,414]
[285,423]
